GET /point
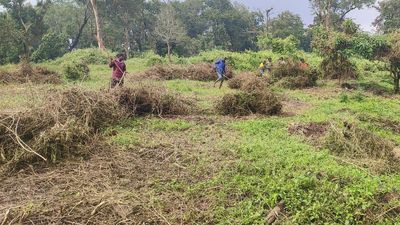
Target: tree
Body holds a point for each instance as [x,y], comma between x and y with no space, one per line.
[169,28]
[287,24]
[11,45]
[389,52]
[99,36]
[331,13]
[389,18]
[70,18]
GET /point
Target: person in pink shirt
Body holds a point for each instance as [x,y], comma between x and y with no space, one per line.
[119,69]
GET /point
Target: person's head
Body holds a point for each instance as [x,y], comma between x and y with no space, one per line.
[224,59]
[269,59]
[120,56]
[265,61]
[302,60]
[281,58]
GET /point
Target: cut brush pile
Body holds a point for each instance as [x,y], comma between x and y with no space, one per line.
[248,82]
[70,118]
[293,77]
[200,72]
[246,103]
[364,147]
[27,73]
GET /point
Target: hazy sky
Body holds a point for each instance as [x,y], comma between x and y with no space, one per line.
[363,17]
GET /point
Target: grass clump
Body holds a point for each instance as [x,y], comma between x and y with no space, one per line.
[246,103]
[26,73]
[364,147]
[76,70]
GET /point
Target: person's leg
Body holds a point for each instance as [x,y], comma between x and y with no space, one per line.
[220,77]
[113,83]
[222,81]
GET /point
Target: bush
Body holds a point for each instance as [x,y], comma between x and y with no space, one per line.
[76,71]
[87,56]
[287,45]
[245,103]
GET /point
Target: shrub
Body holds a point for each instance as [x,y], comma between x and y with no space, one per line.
[86,56]
[245,103]
[76,70]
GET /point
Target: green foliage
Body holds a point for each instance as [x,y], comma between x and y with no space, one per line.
[287,45]
[86,56]
[388,19]
[10,45]
[75,71]
[52,46]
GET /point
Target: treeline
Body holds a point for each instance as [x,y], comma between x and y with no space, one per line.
[51,28]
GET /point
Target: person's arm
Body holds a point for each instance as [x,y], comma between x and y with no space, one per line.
[112,64]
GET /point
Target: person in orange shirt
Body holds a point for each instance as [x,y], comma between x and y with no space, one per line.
[303,65]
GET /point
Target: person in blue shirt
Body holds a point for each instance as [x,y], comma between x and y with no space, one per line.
[220,69]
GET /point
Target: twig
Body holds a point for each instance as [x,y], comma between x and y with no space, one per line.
[5,217]
[97,207]
[22,143]
[384,213]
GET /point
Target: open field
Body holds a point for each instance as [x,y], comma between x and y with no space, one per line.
[205,168]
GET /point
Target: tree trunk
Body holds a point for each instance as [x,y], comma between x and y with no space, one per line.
[126,33]
[98,26]
[169,51]
[78,36]
[397,83]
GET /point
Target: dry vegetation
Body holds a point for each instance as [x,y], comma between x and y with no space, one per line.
[27,73]
[248,82]
[293,77]
[246,103]
[70,118]
[200,72]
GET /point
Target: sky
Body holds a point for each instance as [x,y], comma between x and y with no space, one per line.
[364,17]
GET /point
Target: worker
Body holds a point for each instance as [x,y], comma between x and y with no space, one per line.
[268,65]
[220,68]
[119,70]
[262,68]
[282,61]
[303,65]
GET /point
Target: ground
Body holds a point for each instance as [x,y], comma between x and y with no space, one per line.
[210,169]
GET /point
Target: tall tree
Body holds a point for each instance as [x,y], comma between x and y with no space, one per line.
[331,13]
[286,24]
[169,28]
[99,36]
[389,18]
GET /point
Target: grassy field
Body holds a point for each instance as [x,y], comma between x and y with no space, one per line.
[206,168]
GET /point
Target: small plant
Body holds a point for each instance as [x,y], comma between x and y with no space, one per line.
[344,98]
[76,71]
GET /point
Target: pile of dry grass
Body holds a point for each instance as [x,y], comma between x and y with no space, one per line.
[27,73]
[70,118]
[147,99]
[364,147]
[248,82]
[294,77]
[57,129]
[200,72]
[245,103]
